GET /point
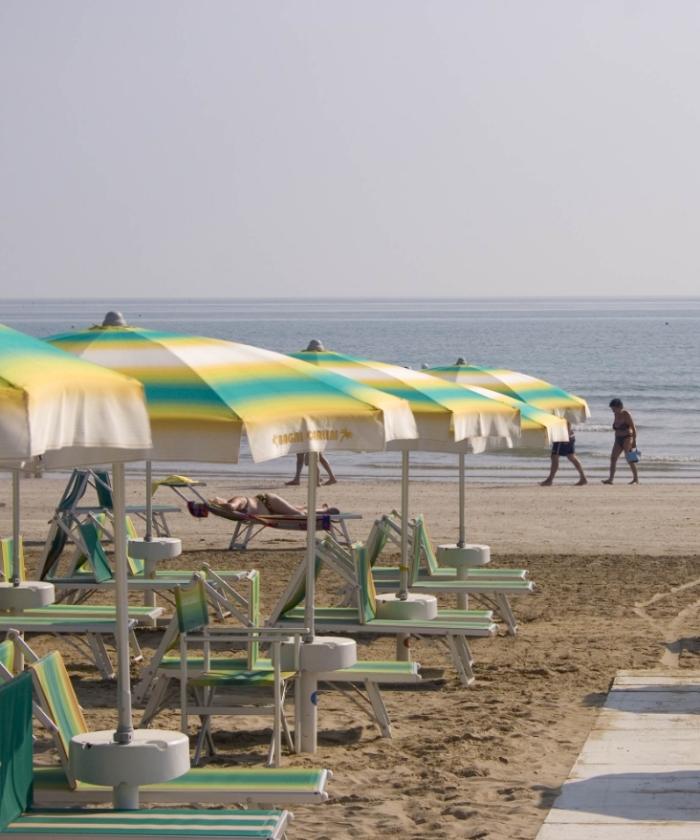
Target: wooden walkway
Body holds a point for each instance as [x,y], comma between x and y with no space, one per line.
[638,775]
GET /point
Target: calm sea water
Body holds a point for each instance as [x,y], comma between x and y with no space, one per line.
[645,351]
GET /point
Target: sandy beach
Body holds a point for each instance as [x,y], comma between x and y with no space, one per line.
[618,586]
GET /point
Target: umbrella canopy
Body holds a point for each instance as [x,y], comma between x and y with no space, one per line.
[203,393]
[519,386]
[67,411]
[448,418]
[70,412]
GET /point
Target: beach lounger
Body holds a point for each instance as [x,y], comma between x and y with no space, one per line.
[248,526]
[20,817]
[90,629]
[361,682]
[361,619]
[55,786]
[492,587]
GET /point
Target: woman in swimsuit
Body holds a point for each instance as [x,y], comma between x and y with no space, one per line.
[267,503]
[625,439]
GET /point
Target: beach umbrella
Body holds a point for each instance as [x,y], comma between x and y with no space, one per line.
[204,393]
[520,386]
[68,412]
[449,418]
[526,390]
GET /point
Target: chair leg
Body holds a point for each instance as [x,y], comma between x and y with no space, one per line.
[155,700]
[100,655]
[460,658]
[506,612]
[380,713]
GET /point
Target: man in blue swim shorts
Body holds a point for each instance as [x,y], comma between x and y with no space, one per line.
[567,448]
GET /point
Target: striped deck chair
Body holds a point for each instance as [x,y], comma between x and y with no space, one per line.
[361,682]
[493,587]
[20,817]
[452,630]
[6,550]
[60,713]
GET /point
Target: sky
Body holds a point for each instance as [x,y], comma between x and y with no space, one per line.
[215,148]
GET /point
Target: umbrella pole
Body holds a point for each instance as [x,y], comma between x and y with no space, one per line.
[125,728]
[149,596]
[403,589]
[149,502]
[462,502]
[309,617]
[15,528]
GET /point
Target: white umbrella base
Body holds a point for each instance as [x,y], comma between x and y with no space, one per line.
[152,756]
[416,607]
[324,653]
[25,596]
[463,556]
[156,549]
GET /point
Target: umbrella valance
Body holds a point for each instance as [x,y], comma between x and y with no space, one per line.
[520,386]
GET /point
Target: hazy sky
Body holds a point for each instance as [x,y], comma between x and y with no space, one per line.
[386,147]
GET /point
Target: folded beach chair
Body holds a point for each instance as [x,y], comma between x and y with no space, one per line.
[69,515]
[491,586]
[361,619]
[54,786]
[19,816]
[360,682]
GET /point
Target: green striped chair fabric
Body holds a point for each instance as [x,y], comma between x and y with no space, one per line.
[8,655]
[18,817]
[6,549]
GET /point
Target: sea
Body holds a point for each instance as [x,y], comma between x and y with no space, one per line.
[645,351]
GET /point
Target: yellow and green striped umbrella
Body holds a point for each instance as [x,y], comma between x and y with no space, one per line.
[65,410]
[203,393]
[448,418]
[519,386]
[71,412]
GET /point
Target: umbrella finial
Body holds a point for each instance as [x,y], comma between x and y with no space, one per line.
[114,319]
[461,361]
[315,346]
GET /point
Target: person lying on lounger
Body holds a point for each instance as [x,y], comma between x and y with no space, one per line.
[267,503]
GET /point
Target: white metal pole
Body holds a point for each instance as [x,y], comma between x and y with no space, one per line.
[125,728]
[462,502]
[309,617]
[15,528]
[149,502]
[403,589]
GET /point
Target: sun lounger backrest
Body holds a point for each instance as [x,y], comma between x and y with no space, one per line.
[16,773]
[58,699]
[368,594]
[103,487]
[95,553]
[422,543]
[191,606]
[377,539]
[7,655]
[6,548]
